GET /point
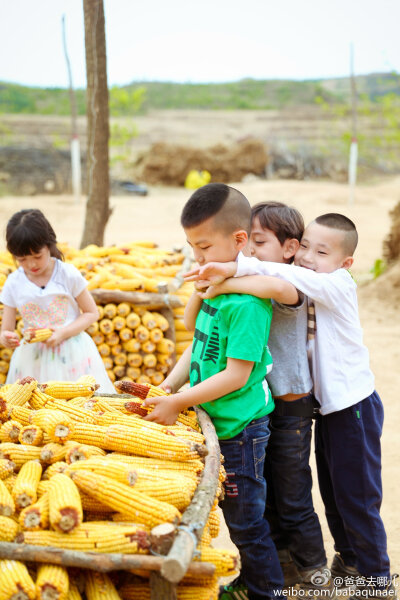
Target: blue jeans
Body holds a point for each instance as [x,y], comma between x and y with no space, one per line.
[348,454]
[243,508]
[290,511]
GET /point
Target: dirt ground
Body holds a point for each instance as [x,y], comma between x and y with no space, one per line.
[156,217]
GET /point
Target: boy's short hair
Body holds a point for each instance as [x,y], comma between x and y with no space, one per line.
[284,221]
[344,224]
[227,205]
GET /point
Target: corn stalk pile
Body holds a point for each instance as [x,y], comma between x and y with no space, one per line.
[82,472]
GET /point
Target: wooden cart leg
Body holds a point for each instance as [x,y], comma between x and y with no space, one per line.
[160,588]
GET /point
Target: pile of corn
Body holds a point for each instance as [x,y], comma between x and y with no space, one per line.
[131,341]
[85,472]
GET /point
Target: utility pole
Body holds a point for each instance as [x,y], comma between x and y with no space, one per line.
[354,142]
[75,146]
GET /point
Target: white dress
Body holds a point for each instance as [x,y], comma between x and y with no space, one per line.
[53,307]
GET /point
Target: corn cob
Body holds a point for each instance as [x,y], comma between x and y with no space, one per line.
[111,375]
[53,452]
[73,592]
[100,587]
[57,424]
[106,326]
[32,435]
[19,393]
[81,452]
[141,591]
[123,309]
[6,468]
[57,467]
[77,414]
[142,333]
[10,481]
[119,471]
[132,373]
[37,335]
[8,529]
[126,334]
[43,487]
[225,561]
[87,379]
[15,581]
[6,354]
[52,582]
[108,362]
[19,453]
[132,345]
[134,359]
[92,537]
[93,328]
[91,505]
[25,487]
[98,338]
[92,435]
[65,504]
[7,506]
[213,523]
[116,349]
[110,310]
[36,516]
[126,500]
[119,323]
[150,360]
[165,346]
[20,414]
[104,350]
[149,320]
[157,378]
[191,468]
[39,399]
[162,322]
[66,389]
[10,431]
[112,339]
[156,335]
[174,494]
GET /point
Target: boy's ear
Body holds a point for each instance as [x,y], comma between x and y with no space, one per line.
[241,238]
[290,247]
[347,263]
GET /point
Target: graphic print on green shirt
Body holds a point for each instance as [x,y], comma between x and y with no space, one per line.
[235,326]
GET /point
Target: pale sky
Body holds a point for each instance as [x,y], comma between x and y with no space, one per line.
[202,41]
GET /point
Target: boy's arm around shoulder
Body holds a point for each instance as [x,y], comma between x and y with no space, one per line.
[327,288]
[260,286]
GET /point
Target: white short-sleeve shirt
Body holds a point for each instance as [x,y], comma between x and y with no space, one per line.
[55,305]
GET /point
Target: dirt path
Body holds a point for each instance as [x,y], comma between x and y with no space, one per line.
[156,217]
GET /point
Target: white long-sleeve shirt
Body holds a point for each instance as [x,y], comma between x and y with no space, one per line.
[339,359]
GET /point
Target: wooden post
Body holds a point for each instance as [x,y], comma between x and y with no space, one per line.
[160,588]
[148,300]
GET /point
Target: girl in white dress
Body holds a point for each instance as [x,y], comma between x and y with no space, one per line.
[48,293]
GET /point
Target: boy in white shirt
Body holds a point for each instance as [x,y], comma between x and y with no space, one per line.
[349,427]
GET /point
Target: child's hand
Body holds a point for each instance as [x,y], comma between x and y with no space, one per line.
[212,273]
[9,339]
[212,291]
[55,339]
[165,411]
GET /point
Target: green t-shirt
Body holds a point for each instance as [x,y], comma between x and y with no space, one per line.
[234,326]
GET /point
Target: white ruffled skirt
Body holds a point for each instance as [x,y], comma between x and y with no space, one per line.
[73,358]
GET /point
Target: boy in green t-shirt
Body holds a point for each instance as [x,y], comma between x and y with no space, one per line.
[228,364]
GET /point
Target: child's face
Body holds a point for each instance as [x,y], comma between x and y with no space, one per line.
[321,250]
[210,244]
[264,244]
[35,264]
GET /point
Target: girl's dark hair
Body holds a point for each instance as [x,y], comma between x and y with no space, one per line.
[28,231]
[285,221]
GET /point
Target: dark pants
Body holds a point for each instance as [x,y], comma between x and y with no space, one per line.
[290,511]
[348,453]
[243,508]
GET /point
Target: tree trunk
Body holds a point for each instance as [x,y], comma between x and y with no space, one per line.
[97,206]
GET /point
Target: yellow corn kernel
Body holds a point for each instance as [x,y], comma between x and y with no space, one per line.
[19,453]
[32,335]
[25,487]
[19,393]
[52,582]
[132,320]
[138,507]
[43,487]
[73,592]
[10,481]
[9,431]
[39,399]
[65,504]
[123,309]
[36,516]
[99,586]
[15,581]
[82,452]
[225,561]
[156,335]
[6,468]
[8,529]
[66,389]
[31,435]
[7,506]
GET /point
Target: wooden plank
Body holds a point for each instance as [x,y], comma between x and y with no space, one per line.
[195,516]
[160,588]
[145,299]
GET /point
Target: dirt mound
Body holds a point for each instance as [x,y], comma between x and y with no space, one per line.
[169,164]
[385,288]
[391,245]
